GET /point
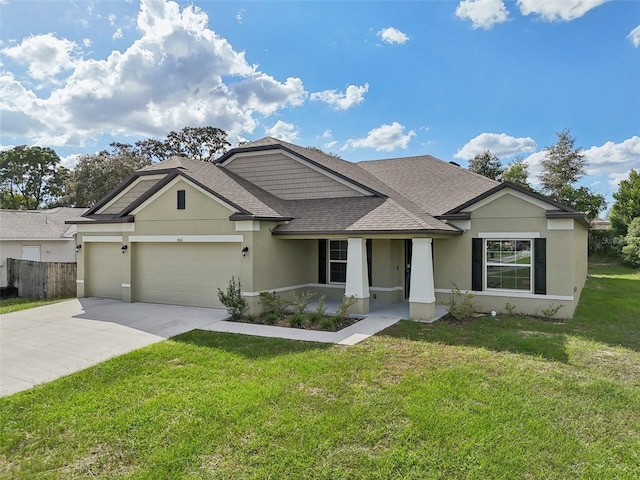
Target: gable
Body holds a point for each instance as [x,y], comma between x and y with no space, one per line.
[509,204]
[130,194]
[199,204]
[288,177]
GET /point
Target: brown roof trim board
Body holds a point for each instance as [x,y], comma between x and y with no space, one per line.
[561,211]
[93,219]
[321,233]
[276,146]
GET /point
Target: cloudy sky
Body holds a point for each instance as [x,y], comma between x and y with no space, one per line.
[365,80]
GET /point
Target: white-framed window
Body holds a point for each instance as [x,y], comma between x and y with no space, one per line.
[509,264]
[337,261]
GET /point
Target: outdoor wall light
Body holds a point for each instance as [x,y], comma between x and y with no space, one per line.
[78,247]
[244,251]
[124,248]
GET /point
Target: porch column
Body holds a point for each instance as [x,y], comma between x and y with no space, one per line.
[357,274]
[422,298]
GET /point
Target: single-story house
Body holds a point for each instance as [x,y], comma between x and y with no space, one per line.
[40,235]
[284,218]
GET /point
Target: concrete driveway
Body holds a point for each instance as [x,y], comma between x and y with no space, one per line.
[41,344]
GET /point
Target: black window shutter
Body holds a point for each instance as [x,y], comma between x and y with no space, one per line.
[322,261]
[476,264]
[540,266]
[369,256]
[181,199]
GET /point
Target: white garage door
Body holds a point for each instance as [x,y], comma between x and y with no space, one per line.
[184,273]
[105,270]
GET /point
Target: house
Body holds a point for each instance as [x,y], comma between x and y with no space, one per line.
[40,235]
[285,218]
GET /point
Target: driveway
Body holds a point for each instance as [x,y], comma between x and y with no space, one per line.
[41,344]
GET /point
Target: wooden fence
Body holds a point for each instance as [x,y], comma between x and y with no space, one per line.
[42,279]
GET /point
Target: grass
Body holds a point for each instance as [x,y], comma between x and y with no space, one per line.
[507,398]
[23,303]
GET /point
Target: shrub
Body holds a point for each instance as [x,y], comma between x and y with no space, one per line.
[296,320]
[631,249]
[509,309]
[321,309]
[274,303]
[300,302]
[233,299]
[269,318]
[343,309]
[551,310]
[461,305]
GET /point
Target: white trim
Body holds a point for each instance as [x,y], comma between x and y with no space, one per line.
[508,235]
[422,300]
[387,289]
[66,239]
[464,225]
[102,238]
[109,227]
[560,224]
[512,294]
[187,238]
[79,281]
[247,226]
[170,185]
[487,264]
[126,285]
[326,173]
[507,191]
[128,189]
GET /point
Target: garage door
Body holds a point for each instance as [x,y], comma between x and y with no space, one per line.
[184,273]
[105,270]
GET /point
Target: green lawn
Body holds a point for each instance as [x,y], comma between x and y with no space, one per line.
[22,303]
[506,398]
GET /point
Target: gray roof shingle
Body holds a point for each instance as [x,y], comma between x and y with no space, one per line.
[38,224]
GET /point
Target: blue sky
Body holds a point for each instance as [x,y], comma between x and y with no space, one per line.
[365,80]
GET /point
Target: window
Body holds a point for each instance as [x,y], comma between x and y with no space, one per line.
[181,200]
[508,264]
[337,261]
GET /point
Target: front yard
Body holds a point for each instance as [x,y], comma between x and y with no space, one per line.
[507,398]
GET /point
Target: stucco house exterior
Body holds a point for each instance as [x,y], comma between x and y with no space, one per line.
[285,218]
[40,235]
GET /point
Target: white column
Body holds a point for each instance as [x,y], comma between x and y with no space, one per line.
[422,298]
[357,274]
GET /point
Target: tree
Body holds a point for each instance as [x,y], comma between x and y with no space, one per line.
[30,177]
[96,175]
[487,164]
[200,143]
[563,164]
[582,199]
[627,203]
[631,249]
[517,172]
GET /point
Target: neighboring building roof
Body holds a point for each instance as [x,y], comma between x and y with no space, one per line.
[38,224]
[411,194]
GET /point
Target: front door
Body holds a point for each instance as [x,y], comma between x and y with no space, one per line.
[408,246]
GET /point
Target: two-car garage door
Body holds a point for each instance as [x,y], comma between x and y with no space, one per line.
[183,273]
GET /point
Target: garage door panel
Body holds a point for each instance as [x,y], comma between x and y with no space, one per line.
[184,274]
[105,271]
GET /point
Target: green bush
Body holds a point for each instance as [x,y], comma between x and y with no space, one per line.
[300,302]
[631,249]
[461,305]
[321,309]
[297,320]
[274,303]
[233,299]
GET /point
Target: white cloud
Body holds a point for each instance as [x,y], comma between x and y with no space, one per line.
[177,73]
[501,144]
[327,134]
[354,95]
[483,13]
[614,159]
[384,138]
[86,42]
[117,34]
[46,55]
[393,36]
[558,10]
[112,20]
[283,131]
[634,36]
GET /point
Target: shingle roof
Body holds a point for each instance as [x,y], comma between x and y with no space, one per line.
[38,224]
[433,185]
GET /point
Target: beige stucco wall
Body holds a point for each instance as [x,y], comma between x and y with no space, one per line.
[50,251]
[566,257]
